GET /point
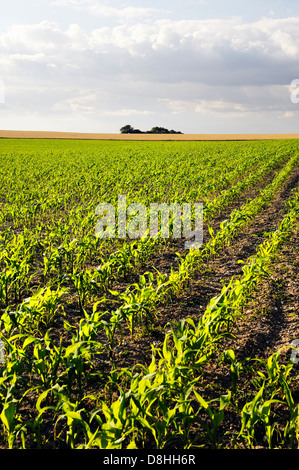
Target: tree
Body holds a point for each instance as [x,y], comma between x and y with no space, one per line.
[127,129]
[159,130]
[162,130]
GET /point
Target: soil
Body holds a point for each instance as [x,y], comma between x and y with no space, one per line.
[11,134]
[269,322]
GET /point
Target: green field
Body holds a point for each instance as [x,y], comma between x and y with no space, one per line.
[140,343]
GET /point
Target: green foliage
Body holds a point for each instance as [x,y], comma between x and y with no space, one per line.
[56,275]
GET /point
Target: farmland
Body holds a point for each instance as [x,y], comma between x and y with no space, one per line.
[139,343]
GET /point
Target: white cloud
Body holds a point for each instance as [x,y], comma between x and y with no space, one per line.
[94,7]
[214,67]
[128,112]
[86,102]
[191,49]
[290,114]
[38,57]
[212,107]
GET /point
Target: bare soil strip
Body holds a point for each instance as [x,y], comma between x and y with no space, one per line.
[11,134]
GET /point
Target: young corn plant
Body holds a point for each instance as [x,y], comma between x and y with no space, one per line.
[77,428]
[113,424]
[275,374]
[39,311]
[235,367]
[257,411]
[291,431]
[85,284]
[186,418]
[13,425]
[6,281]
[191,348]
[274,379]
[140,299]
[111,327]
[152,412]
[46,360]
[215,417]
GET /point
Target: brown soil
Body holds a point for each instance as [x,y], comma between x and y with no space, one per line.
[10,134]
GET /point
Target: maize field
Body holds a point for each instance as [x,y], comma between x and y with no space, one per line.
[119,343]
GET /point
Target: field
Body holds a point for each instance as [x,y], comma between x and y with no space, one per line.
[137,137]
[123,343]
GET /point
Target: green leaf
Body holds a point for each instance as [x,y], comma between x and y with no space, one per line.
[224,401]
[72,348]
[231,354]
[8,414]
[28,341]
[74,415]
[201,400]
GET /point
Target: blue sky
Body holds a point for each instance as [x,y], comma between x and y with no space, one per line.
[199,66]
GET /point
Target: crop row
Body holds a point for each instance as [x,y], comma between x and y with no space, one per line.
[161,401]
[140,301]
[59,385]
[62,264]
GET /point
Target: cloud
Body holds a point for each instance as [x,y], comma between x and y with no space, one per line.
[188,67]
[290,114]
[128,112]
[238,102]
[93,7]
[206,51]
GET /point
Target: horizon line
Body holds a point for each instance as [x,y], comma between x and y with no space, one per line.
[73,135]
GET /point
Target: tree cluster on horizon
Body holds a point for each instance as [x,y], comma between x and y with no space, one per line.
[128,129]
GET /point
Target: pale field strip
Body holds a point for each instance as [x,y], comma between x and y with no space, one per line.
[141,137]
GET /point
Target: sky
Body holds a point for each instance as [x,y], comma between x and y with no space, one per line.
[196,66]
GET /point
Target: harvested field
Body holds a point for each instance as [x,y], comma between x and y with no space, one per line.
[141,137]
